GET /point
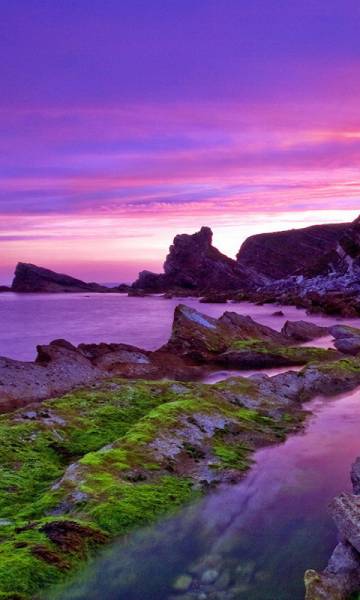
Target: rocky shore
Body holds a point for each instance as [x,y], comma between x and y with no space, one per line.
[198,343]
[322,275]
[124,446]
[341,578]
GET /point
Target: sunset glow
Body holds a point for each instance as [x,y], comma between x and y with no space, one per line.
[170,124]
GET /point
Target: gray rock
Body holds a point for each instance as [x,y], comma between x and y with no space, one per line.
[209,576]
[303,331]
[355,476]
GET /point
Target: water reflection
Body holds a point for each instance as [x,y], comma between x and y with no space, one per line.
[249,541]
[30,319]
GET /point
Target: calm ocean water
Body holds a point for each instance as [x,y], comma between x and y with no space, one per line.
[30,319]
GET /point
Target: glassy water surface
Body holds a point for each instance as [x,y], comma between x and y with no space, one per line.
[256,537]
[30,319]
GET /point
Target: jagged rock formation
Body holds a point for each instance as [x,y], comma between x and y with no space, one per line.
[31,278]
[197,343]
[195,265]
[60,367]
[341,578]
[235,341]
[284,253]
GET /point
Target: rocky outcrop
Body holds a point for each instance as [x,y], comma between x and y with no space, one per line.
[86,468]
[60,367]
[4,288]
[235,341]
[30,278]
[284,253]
[341,578]
[195,265]
[330,285]
[197,343]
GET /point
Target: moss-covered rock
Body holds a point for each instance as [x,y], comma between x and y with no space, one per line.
[100,462]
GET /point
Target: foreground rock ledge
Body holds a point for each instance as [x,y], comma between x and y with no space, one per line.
[197,344]
[84,468]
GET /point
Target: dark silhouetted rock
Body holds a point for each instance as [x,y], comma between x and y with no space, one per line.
[5,288]
[194,265]
[285,253]
[30,278]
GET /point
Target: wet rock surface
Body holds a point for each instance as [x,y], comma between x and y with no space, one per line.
[347,339]
[197,343]
[303,331]
[341,578]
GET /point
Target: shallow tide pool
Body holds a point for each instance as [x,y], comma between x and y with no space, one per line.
[253,540]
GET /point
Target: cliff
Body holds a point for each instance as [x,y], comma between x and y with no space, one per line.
[292,252]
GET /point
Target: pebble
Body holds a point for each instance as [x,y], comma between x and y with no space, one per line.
[209,576]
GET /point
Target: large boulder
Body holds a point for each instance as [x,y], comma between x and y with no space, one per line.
[202,338]
[31,278]
[303,331]
[347,339]
[236,341]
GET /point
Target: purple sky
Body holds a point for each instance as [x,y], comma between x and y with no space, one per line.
[124,123]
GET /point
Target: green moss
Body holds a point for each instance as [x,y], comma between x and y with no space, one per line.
[117,481]
[128,506]
[232,456]
[295,354]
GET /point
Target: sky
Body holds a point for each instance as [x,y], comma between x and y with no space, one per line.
[125,123]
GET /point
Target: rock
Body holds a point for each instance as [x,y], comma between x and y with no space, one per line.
[278,313]
[182,583]
[340,579]
[245,570]
[30,278]
[201,338]
[345,510]
[285,253]
[355,476]
[348,345]
[320,587]
[60,367]
[5,288]
[347,339]
[209,576]
[194,264]
[303,331]
[215,298]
